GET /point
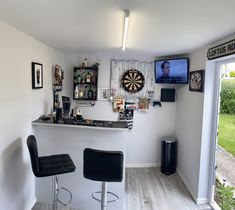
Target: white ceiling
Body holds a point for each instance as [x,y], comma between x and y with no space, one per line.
[157,27]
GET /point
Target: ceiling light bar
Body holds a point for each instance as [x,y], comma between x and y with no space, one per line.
[126,23]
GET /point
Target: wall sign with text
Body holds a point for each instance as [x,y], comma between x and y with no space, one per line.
[221,50]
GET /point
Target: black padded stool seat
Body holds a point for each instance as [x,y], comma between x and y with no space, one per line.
[55,164]
[104,166]
[50,166]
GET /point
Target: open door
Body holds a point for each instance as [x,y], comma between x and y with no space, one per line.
[223,119]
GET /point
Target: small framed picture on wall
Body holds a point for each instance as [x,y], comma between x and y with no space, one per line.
[37,75]
[196,80]
[103,93]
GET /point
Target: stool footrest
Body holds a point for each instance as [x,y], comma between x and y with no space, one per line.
[56,191]
[116,198]
[70,194]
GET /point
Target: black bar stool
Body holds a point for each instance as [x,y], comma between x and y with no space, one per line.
[103,166]
[50,166]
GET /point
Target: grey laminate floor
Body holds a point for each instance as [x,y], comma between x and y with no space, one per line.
[44,206]
[149,189]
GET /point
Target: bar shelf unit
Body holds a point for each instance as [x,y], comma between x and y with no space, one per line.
[85,83]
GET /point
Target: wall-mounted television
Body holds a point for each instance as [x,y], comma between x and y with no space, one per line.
[173,71]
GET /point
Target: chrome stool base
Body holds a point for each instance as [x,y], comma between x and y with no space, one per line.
[104,194]
[56,191]
[103,166]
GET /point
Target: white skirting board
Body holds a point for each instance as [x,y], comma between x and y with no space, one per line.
[142,165]
[197,200]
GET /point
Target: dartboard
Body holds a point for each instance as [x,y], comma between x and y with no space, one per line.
[133,81]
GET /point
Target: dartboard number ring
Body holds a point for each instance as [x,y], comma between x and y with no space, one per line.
[133,81]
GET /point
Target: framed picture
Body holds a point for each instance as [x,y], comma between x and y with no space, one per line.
[37,75]
[104,93]
[196,81]
[143,103]
[58,78]
[118,104]
[126,115]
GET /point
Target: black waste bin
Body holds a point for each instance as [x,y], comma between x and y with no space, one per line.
[168,155]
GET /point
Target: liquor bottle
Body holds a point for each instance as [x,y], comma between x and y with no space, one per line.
[88,77]
[81,93]
[90,94]
[79,78]
[72,113]
[86,92]
[76,92]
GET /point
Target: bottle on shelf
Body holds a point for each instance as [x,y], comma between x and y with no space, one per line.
[79,78]
[76,92]
[90,93]
[86,92]
[81,93]
[78,114]
[88,77]
[72,113]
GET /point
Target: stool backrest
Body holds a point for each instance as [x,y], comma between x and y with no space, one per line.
[33,151]
[104,166]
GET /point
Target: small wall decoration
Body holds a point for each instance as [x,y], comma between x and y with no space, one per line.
[104,93]
[131,105]
[118,104]
[196,81]
[58,78]
[143,103]
[133,81]
[126,115]
[37,75]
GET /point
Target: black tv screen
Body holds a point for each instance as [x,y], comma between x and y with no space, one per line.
[174,71]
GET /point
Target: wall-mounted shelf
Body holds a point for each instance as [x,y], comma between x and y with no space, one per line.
[85,80]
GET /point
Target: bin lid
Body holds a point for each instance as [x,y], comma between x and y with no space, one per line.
[168,139]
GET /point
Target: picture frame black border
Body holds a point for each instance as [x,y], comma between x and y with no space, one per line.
[33,75]
[202,72]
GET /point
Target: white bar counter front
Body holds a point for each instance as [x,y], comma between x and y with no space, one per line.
[73,139]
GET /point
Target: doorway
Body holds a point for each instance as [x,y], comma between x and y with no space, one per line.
[223,180]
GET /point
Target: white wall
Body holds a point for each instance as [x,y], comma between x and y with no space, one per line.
[18,107]
[143,145]
[189,109]
[192,111]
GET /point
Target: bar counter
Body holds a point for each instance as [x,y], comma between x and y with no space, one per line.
[60,138]
[87,123]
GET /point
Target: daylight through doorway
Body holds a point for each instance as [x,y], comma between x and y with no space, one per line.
[225,149]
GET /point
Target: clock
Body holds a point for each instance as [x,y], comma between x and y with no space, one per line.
[196,79]
[132,81]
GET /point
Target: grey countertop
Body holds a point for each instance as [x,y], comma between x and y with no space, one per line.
[87,123]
